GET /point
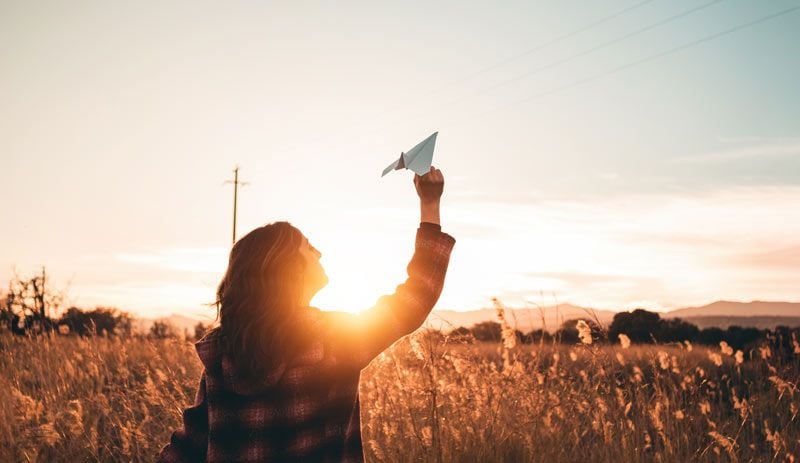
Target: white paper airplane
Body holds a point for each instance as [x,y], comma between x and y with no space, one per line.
[417,158]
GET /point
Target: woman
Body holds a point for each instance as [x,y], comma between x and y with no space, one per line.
[280,378]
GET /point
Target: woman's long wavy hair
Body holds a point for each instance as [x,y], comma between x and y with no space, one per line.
[259,296]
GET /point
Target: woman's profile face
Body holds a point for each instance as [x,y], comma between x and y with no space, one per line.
[314,277]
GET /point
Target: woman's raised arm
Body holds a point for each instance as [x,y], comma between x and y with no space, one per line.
[358,338]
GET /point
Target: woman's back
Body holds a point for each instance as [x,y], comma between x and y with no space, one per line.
[302,413]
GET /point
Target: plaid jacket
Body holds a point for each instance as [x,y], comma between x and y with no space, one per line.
[307,410]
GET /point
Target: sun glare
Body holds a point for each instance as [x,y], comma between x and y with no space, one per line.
[359,272]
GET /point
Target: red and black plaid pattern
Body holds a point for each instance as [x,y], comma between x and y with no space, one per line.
[308,409]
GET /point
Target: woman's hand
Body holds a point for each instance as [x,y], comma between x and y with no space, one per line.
[429,188]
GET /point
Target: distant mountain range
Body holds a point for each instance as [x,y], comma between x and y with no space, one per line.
[759,314]
[745,322]
[722,314]
[740,309]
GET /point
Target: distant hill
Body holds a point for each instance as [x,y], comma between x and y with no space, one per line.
[759,314]
[745,322]
[739,309]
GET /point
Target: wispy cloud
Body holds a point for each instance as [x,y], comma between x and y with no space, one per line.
[665,250]
[668,249]
[199,260]
[738,139]
[582,279]
[781,258]
[763,148]
[149,298]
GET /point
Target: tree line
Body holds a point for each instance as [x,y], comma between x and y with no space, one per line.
[31,307]
[640,326]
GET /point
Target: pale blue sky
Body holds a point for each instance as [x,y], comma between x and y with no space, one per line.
[668,183]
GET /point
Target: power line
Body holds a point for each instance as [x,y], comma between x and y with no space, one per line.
[524,53]
[556,63]
[593,49]
[633,63]
[646,59]
[544,45]
[588,51]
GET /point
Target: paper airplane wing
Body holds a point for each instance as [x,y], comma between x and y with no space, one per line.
[419,158]
[399,164]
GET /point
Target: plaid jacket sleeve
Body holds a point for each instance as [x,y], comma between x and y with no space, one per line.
[357,339]
[190,443]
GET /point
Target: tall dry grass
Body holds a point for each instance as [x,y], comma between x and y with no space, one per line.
[428,399]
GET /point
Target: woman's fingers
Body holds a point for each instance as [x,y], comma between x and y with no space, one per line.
[433,173]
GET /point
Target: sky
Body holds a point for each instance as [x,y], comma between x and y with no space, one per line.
[611,154]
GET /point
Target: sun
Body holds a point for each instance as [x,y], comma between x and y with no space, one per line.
[359,271]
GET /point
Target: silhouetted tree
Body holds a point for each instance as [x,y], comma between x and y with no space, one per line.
[640,326]
[568,333]
[537,336]
[162,330]
[106,321]
[488,331]
[740,338]
[29,303]
[781,341]
[200,330]
[675,330]
[460,333]
[6,316]
[711,336]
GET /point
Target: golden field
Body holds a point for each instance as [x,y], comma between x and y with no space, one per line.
[428,398]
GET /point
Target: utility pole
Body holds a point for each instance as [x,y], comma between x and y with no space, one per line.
[236,184]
